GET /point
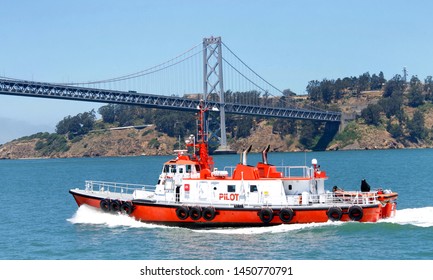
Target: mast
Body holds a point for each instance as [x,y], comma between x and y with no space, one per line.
[205,161]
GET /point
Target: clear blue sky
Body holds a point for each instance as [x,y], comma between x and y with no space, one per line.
[287,42]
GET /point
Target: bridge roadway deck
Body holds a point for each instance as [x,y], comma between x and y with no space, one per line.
[59,91]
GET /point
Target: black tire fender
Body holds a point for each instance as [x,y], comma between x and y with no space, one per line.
[286,215]
[105,205]
[356,213]
[195,213]
[182,212]
[126,208]
[266,215]
[208,213]
[334,213]
[115,206]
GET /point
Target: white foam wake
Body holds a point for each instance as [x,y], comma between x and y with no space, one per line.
[272,229]
[90,215]
[420,217]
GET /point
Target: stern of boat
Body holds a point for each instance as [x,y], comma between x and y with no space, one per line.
[389,204]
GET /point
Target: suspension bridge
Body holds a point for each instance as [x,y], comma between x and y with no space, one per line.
[226,84]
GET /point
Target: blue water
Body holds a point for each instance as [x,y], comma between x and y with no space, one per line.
[40,220]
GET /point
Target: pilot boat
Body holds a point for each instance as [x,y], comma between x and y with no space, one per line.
[190,192]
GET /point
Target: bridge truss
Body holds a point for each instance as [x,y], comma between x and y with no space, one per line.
[65,92]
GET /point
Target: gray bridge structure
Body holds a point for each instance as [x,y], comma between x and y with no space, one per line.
[212,92]
[65,92]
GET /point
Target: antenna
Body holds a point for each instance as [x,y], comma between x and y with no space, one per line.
[405,74]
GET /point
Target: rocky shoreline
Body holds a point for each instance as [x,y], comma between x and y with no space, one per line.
[134,142]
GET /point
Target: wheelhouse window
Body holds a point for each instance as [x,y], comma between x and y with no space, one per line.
[231,188]
[188,168]
[253,188]
[166,168]
[173,168]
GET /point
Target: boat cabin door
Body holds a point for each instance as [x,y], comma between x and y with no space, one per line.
[253,193]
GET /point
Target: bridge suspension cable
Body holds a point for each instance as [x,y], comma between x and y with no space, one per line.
[262,84]
[249,68]
[151,70]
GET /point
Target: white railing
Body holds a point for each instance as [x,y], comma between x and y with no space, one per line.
[295,171]
[229,170]
[113,187]
[354,197]
[287,171]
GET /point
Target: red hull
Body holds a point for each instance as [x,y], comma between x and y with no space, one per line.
[167,214]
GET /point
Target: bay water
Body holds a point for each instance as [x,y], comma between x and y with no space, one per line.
[39,219]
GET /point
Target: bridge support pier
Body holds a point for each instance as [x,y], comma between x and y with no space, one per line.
[213,85]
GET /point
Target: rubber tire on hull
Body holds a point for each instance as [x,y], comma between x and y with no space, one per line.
[105,205]
[356,213]
[334,213]
[195,213]
[286,215]
[126,208]
[266,215]
[115,206]
[208,213]
[182,212]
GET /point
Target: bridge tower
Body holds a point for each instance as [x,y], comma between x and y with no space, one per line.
[213,85]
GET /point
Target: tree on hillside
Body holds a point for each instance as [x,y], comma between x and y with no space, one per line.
[371,114]
[125,115]
[428,88]
[310,132]
[77,125]
[395,130]
[175,123]
[416,127]
[313,90]
[364,82]
[394,87]
[391,106]
[327,91]
[49,144]
[239,126]
[415,95]
[284,127]
[377,81]
[288,93]
[108,113]
[244,126]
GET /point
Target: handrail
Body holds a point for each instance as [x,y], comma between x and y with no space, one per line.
[114,187]
[287,171]
[352,197]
